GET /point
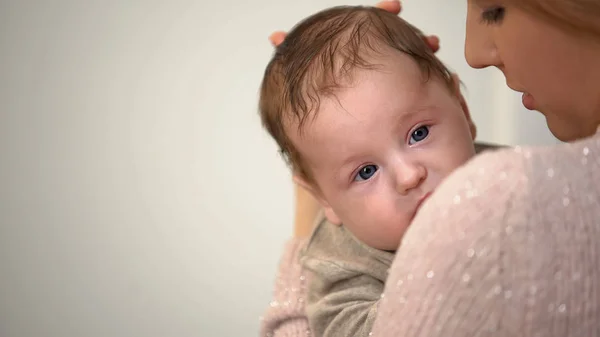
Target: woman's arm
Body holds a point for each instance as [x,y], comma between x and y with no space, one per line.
[286,315]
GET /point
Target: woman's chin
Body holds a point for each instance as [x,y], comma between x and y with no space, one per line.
[567,132]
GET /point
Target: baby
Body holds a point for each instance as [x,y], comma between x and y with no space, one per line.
[370,122]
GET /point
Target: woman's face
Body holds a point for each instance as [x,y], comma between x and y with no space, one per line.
[558,72]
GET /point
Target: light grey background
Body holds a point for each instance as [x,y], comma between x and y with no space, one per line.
[139,195]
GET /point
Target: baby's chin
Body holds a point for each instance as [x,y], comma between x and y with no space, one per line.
[387,243]
[392,248]
[379,235]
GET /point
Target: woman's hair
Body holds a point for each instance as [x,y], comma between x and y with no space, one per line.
[320,55]
[581,17]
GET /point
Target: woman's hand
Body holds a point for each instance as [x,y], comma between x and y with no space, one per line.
[392,6]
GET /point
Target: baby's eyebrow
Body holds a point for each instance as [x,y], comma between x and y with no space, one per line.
[346,166]
[348,161]
[409,115]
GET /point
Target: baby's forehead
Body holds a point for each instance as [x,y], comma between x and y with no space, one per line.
[376,97]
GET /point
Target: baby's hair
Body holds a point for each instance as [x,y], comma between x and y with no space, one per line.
[320,54]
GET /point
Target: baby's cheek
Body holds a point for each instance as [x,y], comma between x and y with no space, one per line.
[393,221]
[401,226]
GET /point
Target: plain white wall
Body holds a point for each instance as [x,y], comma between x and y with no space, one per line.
[139,195]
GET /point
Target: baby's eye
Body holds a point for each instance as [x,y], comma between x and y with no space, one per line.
[366,172]
[419,134]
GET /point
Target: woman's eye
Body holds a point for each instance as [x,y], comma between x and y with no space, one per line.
[493,15]
[419,134]
[366,172]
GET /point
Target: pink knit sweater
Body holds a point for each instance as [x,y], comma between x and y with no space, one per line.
[506,246]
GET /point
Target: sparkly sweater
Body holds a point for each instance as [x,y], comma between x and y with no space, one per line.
[506,246]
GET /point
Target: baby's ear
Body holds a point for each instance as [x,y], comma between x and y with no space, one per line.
[314,191]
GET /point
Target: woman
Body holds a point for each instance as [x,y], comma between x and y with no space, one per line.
[507,245]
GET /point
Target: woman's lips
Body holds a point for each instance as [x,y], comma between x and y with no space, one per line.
[528,101]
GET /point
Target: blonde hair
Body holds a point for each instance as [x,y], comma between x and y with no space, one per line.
[580,17]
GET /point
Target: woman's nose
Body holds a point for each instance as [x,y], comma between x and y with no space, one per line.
[480,47]
[409,176]
[480,56]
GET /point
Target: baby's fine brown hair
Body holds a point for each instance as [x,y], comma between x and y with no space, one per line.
[321,53]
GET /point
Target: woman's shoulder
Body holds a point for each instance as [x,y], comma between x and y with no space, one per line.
[512,185]
[503,224]
[492,175]
[502,174]
[496,172]
[480,193]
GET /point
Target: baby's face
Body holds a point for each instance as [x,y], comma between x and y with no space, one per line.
[381,146]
